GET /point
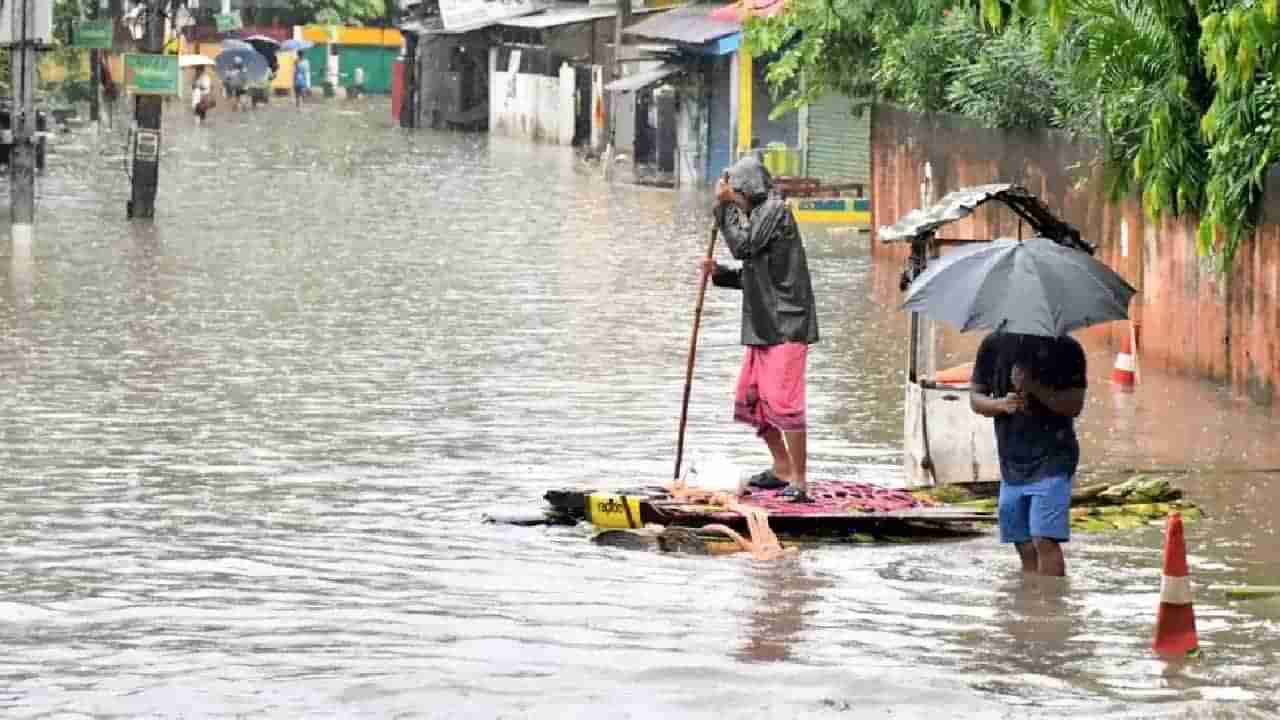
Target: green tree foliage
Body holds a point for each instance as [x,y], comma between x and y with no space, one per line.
[837,45]
[1007,83]
[1189,103]
[1182,94]
[342,12]
[927,55]
[1242,125]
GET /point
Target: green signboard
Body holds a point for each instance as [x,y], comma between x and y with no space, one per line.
[94,34]
[228,22]
[151,74]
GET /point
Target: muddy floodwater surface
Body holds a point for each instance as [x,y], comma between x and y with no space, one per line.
[246,451]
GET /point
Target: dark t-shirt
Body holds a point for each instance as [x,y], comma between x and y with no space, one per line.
[1036,443]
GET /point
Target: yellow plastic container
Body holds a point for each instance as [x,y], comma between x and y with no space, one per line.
[781,160]
[606,510]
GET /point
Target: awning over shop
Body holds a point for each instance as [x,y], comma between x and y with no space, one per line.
[690,25]
[640,80]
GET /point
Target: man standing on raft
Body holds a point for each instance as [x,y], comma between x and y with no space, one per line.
[779,320]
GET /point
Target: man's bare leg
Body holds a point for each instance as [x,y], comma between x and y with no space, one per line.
[781,461]
[1051,560]
[1030,559]
[798,453]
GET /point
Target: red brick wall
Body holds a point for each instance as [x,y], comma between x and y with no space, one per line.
[1193,319]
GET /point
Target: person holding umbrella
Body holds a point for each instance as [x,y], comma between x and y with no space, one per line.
[201,94]
[301,68]
[1029,374]
[1033,388]
[301,79]
[236,80]
[779,318]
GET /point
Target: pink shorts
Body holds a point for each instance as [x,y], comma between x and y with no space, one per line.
[771,388]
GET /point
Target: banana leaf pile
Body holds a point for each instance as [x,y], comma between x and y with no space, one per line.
[1128,504]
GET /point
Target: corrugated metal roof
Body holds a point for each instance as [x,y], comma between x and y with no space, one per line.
[691,25]
[627,83]
[433,26]
[961,203]
[567,14]
[955,205]
[560,16]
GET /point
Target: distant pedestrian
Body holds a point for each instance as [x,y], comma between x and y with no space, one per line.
[357,82]
[1034,388]
[236,81]
[779,318]
[301,79]
[110,91]
[201,94]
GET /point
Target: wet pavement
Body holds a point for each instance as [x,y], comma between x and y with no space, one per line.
[246,451]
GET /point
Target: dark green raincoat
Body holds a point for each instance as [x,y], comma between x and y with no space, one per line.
[777,294]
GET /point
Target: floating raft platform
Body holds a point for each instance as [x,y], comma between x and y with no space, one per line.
[841,509]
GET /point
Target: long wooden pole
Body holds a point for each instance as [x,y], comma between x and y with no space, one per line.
[693,349]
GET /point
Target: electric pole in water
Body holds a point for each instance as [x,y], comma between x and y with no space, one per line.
[22,156]
[146,134]
[95,73]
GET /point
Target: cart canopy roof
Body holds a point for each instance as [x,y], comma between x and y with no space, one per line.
[961,203]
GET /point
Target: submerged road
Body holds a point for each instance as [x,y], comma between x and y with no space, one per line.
[245,454]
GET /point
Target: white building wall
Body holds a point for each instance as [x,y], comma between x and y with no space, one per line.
[566,108]
[532,107]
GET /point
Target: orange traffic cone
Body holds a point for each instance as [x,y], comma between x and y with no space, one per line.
[1124,374]
[1175,620]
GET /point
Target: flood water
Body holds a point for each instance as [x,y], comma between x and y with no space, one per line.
[246,451]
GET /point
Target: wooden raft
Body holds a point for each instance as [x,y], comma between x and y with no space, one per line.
[836,515]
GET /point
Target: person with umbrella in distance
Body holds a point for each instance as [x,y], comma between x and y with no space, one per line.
[301,68]
[1029,375]
[301,79]
[201,94]
[779,318]
[236,81]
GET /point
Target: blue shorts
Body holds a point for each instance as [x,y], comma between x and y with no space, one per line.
[1036,509]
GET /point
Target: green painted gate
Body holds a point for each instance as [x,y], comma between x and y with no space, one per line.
[377,62]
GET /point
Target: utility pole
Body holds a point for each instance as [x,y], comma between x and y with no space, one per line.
[122,41]
[22,157]
[623,19]
[95,72]
[146,133]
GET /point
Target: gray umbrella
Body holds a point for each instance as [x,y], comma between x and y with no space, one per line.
[1036,287]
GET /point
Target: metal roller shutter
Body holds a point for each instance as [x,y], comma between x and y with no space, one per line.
[720,119]
[839,147]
